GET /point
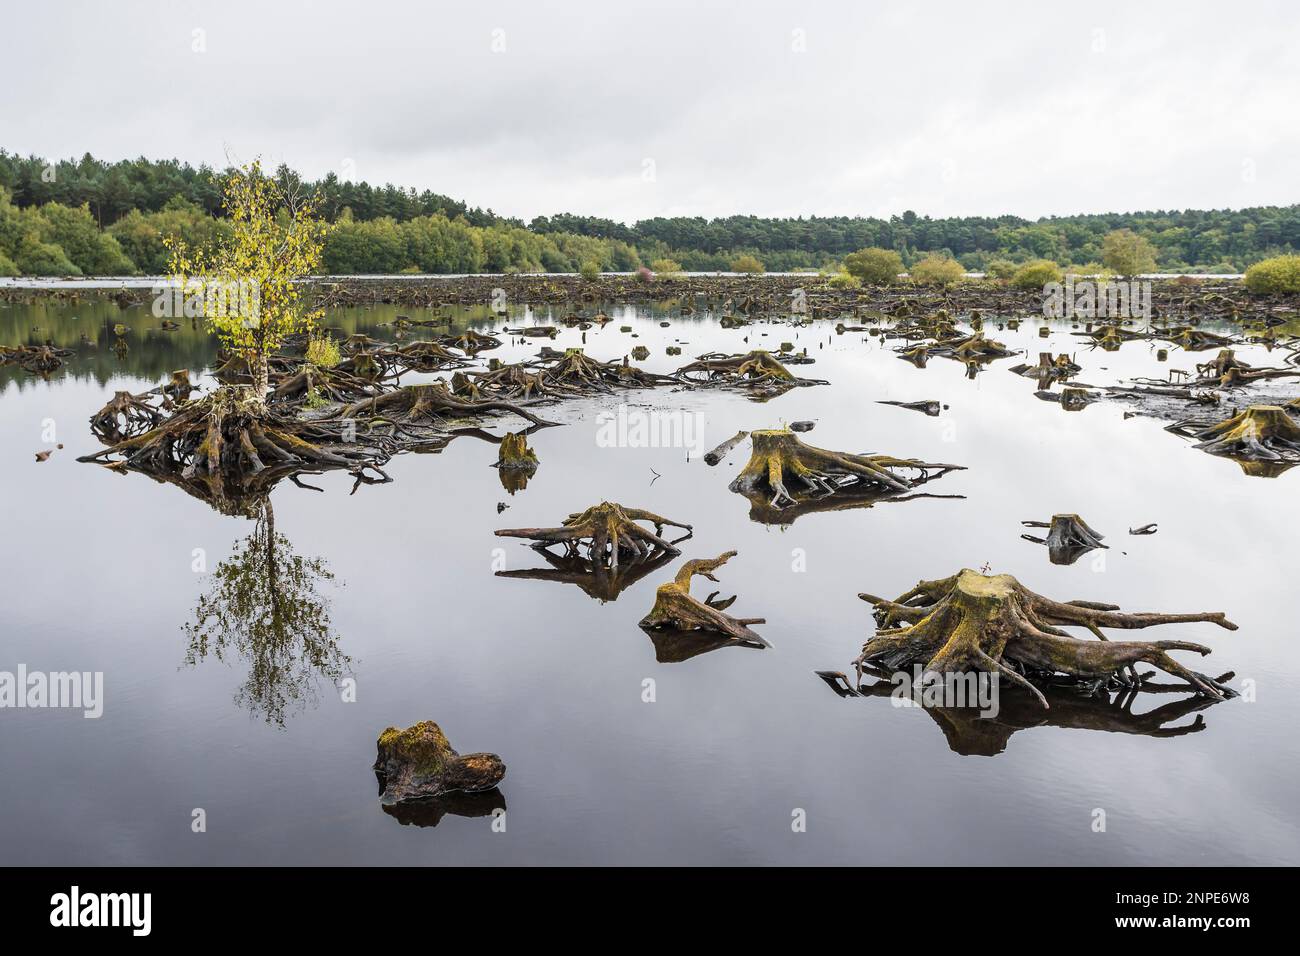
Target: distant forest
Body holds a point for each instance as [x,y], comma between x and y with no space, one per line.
[90,217]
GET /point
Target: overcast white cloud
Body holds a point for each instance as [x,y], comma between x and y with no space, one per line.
[770,108]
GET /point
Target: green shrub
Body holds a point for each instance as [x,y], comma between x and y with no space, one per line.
[874,265]
[666,267]
[36,258]
[1000,269]
[7,267]
[1036,274]
[1092,270]
[844,280]
[1279,274]
[746,263]
[936,270]
[323,352]
[590,270]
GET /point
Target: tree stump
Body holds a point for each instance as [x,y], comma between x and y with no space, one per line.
[418,763]
[779,455]
[607,532]
[1068,538]
[675,608]
[993,623]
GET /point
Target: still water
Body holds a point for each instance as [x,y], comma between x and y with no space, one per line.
[112,573]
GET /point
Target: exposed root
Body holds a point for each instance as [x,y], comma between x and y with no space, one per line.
[37,359]
[429,402]
[992,623]
[675,608]
[607,532]
[126,415]
[779,455]
[971,730]
[758,372]
[1068,538]
[1258,433]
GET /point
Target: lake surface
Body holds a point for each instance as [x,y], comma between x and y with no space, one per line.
[98,573]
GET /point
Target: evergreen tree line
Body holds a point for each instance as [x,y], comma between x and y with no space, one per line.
[90,217]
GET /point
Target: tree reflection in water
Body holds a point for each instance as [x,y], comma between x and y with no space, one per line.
[264,608]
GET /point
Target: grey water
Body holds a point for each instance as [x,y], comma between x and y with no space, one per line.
[614,755]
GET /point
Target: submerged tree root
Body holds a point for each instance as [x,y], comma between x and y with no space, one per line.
[993,623]
[229,449]
[1258,433]
[757,372]
[676,609]
[607,532]
[1068,538]
[126,415]
[36,359]
[430,402]
[779,455]
[972,730]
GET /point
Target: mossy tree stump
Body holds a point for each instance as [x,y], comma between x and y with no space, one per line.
[608,532]
[993,623]
[418,763]
[676,608]
[758,371]
[1256,433]
[1068,538]
[429,402]
[779,455]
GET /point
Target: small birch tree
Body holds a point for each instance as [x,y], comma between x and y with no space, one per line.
[251,297]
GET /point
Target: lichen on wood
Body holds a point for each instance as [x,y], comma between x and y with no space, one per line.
[779,455]
[992,623]
[676,608]
[758,372]
[1256,434]
[607,533]
[418,763]
[1068,538]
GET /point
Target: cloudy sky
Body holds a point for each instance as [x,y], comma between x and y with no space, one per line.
[628,111]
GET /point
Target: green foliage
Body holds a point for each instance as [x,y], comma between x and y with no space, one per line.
[844,280]
[877,266]
[140,202]
[323,352]
[666,267]
[937,270]
[1128,253]
[746,263]
[1036,274]
[75,231]
[590,270]
[36,258]
[7,266]
[1000,269]
[1279,274]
